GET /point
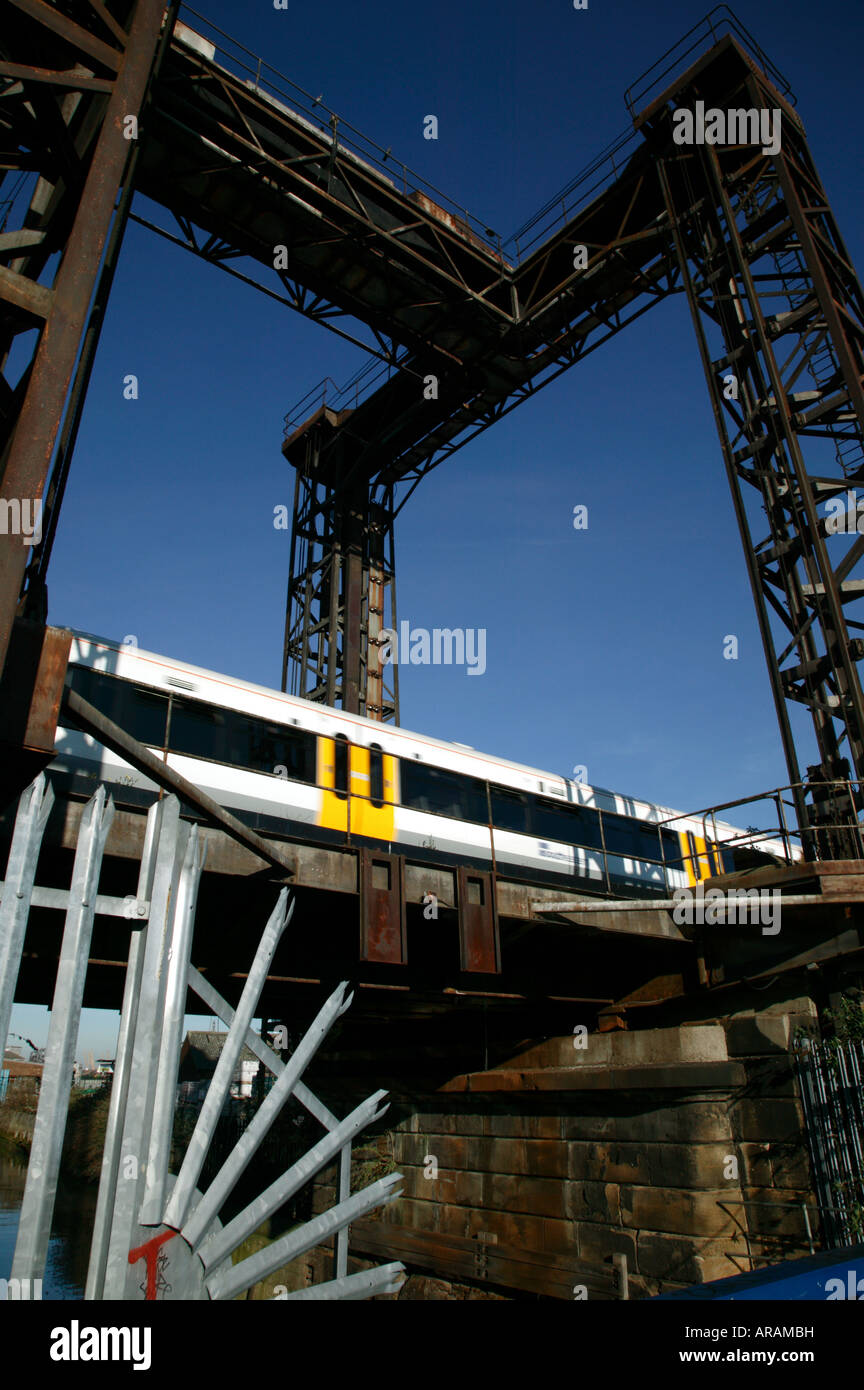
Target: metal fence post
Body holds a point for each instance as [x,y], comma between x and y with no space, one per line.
[34,807]
[165,1097]
[95,1285]
[37,1207]
[135,1142]
[341,1253]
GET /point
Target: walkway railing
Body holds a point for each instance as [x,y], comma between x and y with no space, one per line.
[824,835]
[252,69]
[717,23]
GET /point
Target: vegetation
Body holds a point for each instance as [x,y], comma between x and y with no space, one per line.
[847,1020]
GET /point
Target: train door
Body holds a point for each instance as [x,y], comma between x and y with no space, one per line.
[701,858]
[358,787]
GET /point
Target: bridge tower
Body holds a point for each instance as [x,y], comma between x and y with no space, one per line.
[466,328]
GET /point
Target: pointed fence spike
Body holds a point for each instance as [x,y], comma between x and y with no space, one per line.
[217,1246]
[267,1113]
[369,1283]
[181,1198]
[228,1282]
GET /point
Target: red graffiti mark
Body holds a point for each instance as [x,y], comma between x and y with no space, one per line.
[149,1251]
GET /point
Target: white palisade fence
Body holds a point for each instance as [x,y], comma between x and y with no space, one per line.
[155,1234]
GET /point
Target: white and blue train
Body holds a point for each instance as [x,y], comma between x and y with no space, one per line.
[299,770]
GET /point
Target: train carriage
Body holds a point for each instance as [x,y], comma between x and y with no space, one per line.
[299,770]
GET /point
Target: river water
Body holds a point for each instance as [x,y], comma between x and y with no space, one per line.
[69,1247]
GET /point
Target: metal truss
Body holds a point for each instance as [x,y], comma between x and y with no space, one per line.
[293,294]
[779,317]
[342,592]
[380,447]
[246,163]
[777,307]
[240,151]
[66,87]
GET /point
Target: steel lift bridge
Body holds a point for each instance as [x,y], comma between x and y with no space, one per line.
[460,329]
[103,98]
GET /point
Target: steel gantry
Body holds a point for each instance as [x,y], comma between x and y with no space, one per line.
[460,328]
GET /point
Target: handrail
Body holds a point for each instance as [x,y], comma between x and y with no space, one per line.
[718,21]
[589,182]
[362,384]
[586,186]
[604,168]
[754,835]
[265,77]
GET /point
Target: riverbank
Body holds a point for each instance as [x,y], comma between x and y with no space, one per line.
[85,1134]
[65,1270]
[12,1149]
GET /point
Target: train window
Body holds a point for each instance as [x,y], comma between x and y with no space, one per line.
[573,825]
[340,765]
[139,711]
[204,731]
[510,810]
[631,838]
[727,859]
[671,849]
[272,746]
[376,774]
[443,793]
[225,736]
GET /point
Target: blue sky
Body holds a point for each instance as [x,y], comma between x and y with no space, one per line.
[604,647]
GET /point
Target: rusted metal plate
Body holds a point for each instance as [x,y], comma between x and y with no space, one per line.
[479,946]
[382,908]
[32,686]
[655,923]
[422,879]
[30,693]
[41,729]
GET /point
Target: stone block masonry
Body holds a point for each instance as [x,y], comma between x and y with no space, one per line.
[681,1149]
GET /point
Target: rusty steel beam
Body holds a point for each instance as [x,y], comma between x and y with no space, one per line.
[73,33]
[31,299]
[30,704]
[79,82]
[29,458]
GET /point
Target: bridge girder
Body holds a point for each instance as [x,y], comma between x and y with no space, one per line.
[465,335]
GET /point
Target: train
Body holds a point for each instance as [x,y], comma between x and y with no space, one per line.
[301,771]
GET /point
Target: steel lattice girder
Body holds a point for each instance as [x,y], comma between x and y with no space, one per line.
[766,270]
[790,329]
[225,156]
[342,592]
[82,154]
